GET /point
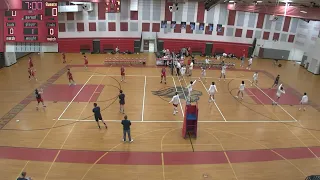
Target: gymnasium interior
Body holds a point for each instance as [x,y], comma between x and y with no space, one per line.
[259,135]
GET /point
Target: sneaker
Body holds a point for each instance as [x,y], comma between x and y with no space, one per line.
[304,109]
[165,82]
[237,97]
[242,98]
[219,79]
[123,140]
[224,80]
[131,141]
[160,81]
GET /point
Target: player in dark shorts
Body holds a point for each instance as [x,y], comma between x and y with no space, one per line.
[97,115]
[38,93]
[121,101]
[276,82]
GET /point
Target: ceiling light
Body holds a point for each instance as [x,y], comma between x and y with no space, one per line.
[286,1]
[231,1]
[305,12]
[259,1]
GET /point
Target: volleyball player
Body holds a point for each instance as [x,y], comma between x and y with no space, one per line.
[207,61]
[303,102]
[183,70]
[249,63]
[242,61]
[163,75]
[223,71]
[203,74]
[97,115]
[276,81]
[123,74]
[64,58]
[85,61]
[39,98]
[175,101]
[178,67]
[212,90]
[189,87]
[70,77]
[191,67]
[255,79]
[30,62]
[241,89]
[32,74]
[122,101]
[278,94]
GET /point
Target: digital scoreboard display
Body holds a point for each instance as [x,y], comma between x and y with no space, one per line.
[37,21]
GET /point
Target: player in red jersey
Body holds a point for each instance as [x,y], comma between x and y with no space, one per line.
[39,98]
[64,58]
[30,62]
[163,75]
[85,62]
[123,74]
[32,74]
[71,81]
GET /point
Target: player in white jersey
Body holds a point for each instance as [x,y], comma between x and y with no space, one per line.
[278,94]
[212,90]
[241,89]
[203,74]
[191,68]
[255,79]
[223,71]
[207,61]
[249,64]
[303,102]
[183,70]
[175,101]
[189,87]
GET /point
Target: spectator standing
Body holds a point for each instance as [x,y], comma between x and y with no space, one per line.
[126,129]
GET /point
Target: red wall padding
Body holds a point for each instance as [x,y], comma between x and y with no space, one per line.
[72,45]
[176,44]
[2,46]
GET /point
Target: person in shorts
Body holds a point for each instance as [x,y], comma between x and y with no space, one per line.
[97,115]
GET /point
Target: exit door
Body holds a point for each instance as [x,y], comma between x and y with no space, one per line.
[145,45]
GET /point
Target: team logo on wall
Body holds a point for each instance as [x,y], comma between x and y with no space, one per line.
[183,92]
[201,26]
[173,24]
[183,25]
[210,27]
[219,28]
[163,24]
[192,26]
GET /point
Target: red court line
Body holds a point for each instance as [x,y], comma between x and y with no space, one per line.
[65,93]
[132,158]
[154,158]
[180,158]
[286,99]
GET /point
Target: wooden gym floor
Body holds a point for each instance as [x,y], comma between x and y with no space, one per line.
[237,139]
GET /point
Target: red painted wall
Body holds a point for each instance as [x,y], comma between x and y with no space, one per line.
[72,45]
[236,48]
[2,49]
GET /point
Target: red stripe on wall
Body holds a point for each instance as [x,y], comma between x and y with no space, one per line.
[177,29]
[232,17]
[238,33]
[102,11]
[260,21]
[286,24]
[2,49]
[200,14]
[249,33]
[168,14]
[276,36]
[291,38]
[266,35]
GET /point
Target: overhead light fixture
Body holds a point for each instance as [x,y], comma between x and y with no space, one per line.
[286,1]
[259,1]
[304,12]
[231,1]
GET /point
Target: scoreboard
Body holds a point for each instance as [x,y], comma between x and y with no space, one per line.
[37,21]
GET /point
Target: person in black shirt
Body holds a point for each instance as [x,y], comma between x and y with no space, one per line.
[97,115]
[126,128]
[121,101]
[276,82]
[23,176]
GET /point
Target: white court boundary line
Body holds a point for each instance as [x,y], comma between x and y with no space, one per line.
[273,101]
[144,97]
[116,75]
[175,86]
[75,97]
[153,121]
[214,102]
